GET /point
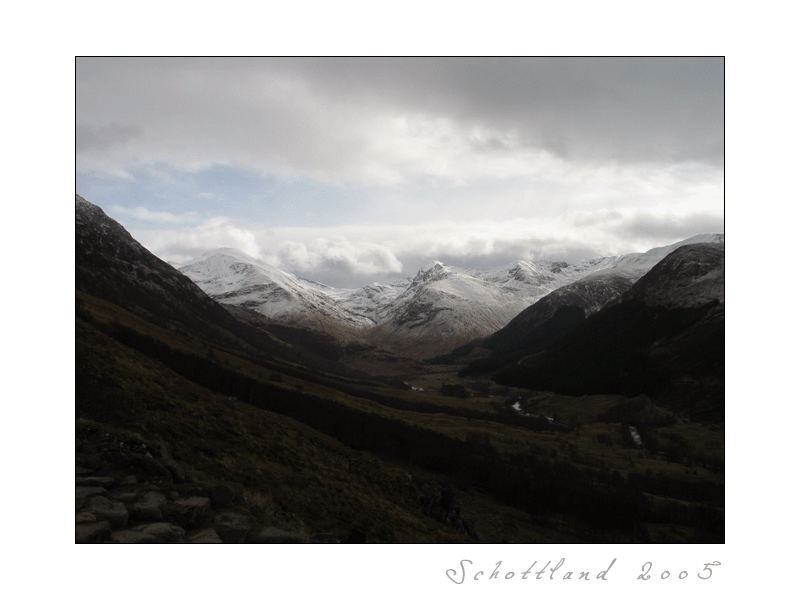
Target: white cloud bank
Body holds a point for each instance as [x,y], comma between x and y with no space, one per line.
[352,255]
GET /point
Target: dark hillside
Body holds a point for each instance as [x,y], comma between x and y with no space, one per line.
[195,423]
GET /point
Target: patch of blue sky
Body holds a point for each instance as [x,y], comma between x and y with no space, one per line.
[223,191]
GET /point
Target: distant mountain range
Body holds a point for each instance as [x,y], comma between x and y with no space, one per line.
[439,309]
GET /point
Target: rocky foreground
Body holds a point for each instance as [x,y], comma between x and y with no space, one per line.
[130,491]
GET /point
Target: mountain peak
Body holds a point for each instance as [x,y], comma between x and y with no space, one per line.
[433,271]
[227,251]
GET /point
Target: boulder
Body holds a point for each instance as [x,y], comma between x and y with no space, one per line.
[131,536]
[82,494]
[162,532]
[108,510]
[188,511]
[326,537]
[105,482]
[273,535]
[148,508]
[204,536]
[224,494]
[92,532]
[177,471]
[126,496]
[233,526]
[84,517]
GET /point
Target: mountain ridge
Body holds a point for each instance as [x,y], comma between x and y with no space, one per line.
[441,305]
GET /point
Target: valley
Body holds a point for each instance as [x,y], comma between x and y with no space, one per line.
[453,407]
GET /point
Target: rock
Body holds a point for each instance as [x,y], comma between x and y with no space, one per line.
[326,537]
[174,495]
[154,497]
[224,494]
[189,511]
[84,517]
[82,494]
[204,536]
[233,526]
[190,489]
[108,510]
[129,480]
[79,470]
[273,535]
[148,508]
[163,532]
[92,532]
[177,471]
[131,536]
[106,482]
[124,496]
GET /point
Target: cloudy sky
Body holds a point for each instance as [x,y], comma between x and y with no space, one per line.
[355,170]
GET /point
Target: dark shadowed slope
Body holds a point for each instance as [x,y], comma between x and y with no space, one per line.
[111,265]
[547,321]
[664,337]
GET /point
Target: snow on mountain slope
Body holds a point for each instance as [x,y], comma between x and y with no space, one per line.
[443,304]
[691,275]
[446,307]
[371,298]
[535,279]
[637,264]
[232,277]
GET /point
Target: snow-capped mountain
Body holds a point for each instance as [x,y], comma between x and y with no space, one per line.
[452,305]
[232,277]
[443,304]
[447,306]
[690,276]
[665,336]
[535,279]
[371,298]
[637,264]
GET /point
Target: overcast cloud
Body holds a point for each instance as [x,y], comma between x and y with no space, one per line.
[354,169]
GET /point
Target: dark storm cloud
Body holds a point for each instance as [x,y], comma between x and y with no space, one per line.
[103,137]
[623,108]
[318,114]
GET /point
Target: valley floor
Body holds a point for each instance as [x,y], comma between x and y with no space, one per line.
[180,440]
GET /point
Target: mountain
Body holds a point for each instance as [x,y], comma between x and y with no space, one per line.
[369,300]
[200,422]
[439,309]
[444,307]
[541,324]
[553,316]
[638,263]
[111,265]
[663,337]
[691,276]
[232,277]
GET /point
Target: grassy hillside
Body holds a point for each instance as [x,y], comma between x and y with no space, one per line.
[354,459]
